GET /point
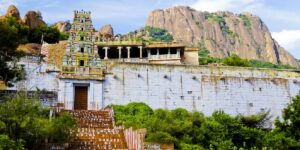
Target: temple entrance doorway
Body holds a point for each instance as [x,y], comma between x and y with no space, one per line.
[81,98]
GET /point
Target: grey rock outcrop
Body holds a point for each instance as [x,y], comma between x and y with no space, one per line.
[63,26]
[33,19]
[106,31]
[223,33]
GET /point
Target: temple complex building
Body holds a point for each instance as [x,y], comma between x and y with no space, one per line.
[98,70]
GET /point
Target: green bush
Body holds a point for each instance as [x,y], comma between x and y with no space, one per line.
[63,36]
[25,122]
[192,130]
[262,64]
[204,57]
[157,34]
[235,60]
[246,21]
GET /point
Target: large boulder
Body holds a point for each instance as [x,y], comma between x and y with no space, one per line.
[63,26]
[33,19]
[106,31]
[12,11]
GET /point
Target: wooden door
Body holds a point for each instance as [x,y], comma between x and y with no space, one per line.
[81,97]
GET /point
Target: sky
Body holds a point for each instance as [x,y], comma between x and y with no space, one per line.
[281,16]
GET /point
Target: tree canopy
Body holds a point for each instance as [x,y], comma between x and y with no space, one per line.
[193,130]
[11,35]
[25,123]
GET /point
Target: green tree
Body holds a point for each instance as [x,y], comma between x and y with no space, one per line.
[10,71]
[291,120]
[158,34]
[204,57]
[26,121]
[192,130]
[235,60]
[51,34]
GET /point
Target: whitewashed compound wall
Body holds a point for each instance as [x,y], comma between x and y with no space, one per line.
[196,88]
[201,88]
[37,76]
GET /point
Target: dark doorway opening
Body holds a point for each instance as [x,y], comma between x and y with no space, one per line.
[81,63]
[81,98]
[134,52]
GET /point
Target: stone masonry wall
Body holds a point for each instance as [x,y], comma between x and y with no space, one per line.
[201,88]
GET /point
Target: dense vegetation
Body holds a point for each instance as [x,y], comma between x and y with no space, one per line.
[193,130]
[26,35]
[25,123]
[50,35]
[235,60]
[13,33]
[152,34]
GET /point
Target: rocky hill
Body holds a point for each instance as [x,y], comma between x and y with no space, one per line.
[223,33]
[32,19]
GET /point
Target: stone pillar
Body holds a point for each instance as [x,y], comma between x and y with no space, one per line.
[141,51]
[178,53]
[120,52]
[148,53]
[157,53]
[106,51]
[95,50]
[169,52]
[128,52]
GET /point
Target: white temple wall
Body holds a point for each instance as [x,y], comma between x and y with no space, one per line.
[37,76]
[206,89]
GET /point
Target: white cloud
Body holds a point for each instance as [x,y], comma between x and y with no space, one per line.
[290,40]
[221,5]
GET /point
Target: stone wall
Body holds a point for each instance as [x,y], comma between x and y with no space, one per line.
[38,76]
[201,88]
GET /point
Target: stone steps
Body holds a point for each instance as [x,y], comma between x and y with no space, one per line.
[96,131]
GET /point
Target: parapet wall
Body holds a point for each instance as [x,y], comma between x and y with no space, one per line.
[201,88]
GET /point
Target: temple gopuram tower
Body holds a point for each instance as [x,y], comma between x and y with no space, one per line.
[81,73]
[82,50]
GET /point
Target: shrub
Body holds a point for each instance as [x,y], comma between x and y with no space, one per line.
[246,21]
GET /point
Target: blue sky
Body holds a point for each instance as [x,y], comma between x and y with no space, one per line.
[281,16]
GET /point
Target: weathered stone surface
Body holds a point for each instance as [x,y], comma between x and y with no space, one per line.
[106,31]
[33,19]
[63,26]
[229,34]
[12,11]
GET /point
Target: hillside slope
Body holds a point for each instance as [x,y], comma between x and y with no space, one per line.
[223,33]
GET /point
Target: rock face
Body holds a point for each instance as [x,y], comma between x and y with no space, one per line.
[106,31]
[223,33]
[63,26]
[33,19]
[12,11]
